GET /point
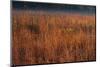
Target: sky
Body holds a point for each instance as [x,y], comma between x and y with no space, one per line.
[51,7]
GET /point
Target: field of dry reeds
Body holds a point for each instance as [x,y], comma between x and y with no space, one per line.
[45,37]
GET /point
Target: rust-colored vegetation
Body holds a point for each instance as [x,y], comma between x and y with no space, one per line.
[42,37]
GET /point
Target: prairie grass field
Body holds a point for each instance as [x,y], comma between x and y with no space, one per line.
[40,37]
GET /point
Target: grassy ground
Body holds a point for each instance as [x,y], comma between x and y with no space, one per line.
[41,37]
